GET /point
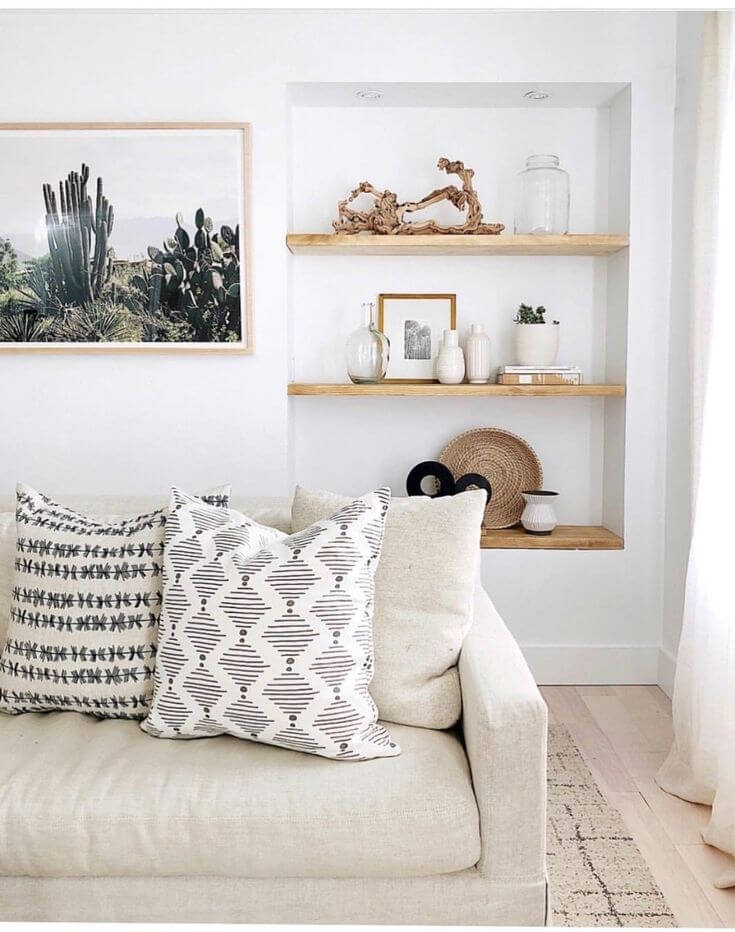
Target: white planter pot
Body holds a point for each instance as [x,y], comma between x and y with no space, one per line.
[539,516]
[536,344]
[477,355]
[450,361]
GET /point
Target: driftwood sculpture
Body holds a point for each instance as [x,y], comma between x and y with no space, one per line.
[387,216]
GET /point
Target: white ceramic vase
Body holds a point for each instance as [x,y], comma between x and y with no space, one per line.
[477,355]
[536,344]
[450,361]
[539,516]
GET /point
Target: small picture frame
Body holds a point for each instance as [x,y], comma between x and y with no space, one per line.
[415,325]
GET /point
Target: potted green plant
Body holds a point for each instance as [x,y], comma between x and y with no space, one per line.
[536,342]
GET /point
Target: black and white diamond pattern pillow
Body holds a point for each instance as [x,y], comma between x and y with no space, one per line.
[273,646]
[86,599]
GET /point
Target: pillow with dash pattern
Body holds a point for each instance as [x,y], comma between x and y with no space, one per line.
[84,609]
[273,646]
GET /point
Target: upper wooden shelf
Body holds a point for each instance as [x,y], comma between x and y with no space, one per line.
[384,389]
[571,244]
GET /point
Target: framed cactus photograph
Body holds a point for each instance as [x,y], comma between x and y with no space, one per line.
[125,236]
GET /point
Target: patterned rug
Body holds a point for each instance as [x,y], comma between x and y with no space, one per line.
[597,876]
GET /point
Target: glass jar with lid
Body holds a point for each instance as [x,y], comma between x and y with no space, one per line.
[542,199]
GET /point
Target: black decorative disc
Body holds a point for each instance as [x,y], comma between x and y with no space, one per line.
[474,480]
[429,468]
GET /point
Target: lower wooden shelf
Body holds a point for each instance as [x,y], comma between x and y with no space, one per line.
[386,389]
[563,537]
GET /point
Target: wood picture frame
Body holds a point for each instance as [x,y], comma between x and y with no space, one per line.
[144,300]
[415,340]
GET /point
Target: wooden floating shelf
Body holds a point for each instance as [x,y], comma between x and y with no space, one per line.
[392,389]
[340,244]
[563,537]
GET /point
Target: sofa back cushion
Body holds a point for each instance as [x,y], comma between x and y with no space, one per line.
[84,609]
[7,567]
[269,510]
[424,588]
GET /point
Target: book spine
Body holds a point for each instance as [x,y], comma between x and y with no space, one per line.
[540,378]
[507,370]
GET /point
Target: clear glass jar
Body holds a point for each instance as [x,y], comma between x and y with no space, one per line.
[368,350]
[542,201]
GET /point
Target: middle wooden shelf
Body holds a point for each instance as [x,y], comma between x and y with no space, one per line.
[387,389]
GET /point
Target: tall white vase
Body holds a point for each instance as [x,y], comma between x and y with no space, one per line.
[536,344]
[450,361]
[477,355]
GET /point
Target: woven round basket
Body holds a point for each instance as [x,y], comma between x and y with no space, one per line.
[507,462]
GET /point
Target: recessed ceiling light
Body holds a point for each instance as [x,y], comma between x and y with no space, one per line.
[536,95]
[369,94]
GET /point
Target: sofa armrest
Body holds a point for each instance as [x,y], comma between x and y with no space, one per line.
[504,721]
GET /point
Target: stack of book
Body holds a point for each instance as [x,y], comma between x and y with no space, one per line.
[540,375]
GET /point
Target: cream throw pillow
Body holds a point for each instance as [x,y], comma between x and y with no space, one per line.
[423,600]
[268,637]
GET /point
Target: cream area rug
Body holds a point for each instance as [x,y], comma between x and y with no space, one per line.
[597,876]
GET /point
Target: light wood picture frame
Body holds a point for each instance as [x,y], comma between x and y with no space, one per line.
[125,237]
[414,324]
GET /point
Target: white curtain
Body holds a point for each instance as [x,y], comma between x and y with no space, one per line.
[701,764]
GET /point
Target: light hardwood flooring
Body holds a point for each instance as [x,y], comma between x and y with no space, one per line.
[624,733]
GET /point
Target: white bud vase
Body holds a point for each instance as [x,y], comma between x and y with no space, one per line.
[539,516]
[536,344]
[477,355]
[450,361]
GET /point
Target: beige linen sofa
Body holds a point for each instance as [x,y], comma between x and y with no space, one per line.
[100,822]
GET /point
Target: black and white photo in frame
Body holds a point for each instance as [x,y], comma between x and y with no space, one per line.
[414,324]
[125,236]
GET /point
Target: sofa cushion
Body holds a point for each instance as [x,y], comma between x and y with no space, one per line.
[81,796]
[424,588]
[7,569]
[274,645]
[84,610]
[271,510]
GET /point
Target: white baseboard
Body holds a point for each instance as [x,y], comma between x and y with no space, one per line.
[593,664]
[666,670]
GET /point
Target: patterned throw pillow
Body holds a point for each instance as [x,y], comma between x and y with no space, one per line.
[86,600]
[274,646]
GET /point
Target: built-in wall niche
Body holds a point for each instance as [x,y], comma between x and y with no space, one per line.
[338,140]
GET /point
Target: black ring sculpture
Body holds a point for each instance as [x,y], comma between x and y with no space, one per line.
[438,471]
[444,479]
[476,480]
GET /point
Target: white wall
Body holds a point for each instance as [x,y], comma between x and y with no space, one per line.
[325,292]
[678,457]
[138,423]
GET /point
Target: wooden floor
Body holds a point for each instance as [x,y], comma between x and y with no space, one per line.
[624,733]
